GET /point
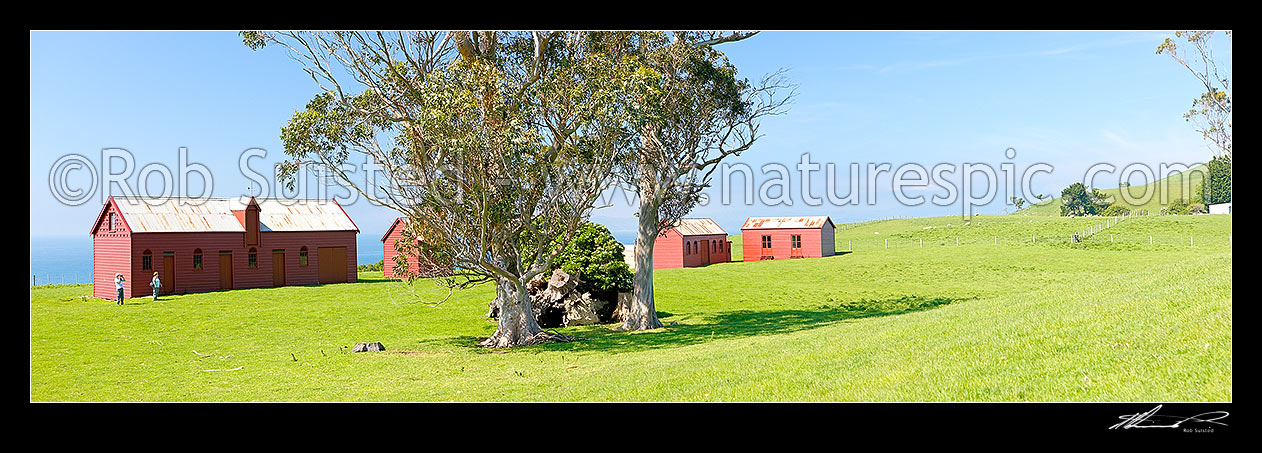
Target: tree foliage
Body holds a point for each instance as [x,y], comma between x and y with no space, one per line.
[698,113]
[1216,187]
[495,145]
[1115,209]
[1211,112]
[597,258]
[1077,200]
[1178,206]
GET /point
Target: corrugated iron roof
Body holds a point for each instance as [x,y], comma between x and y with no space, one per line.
[695,227]
[145,215]
[757,223]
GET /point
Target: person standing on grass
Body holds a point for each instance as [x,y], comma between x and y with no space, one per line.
[156,284]
[118,283]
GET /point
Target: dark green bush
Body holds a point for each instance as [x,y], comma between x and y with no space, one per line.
[375,267]
[1115,210]
[596,257]
[1216,187]
[1177,207]
[1077,200]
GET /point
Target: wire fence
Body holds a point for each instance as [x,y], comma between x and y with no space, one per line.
[1034,240]
[71,278]
[1095,233]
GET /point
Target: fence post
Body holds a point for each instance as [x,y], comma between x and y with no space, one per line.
[922,241]
[848,248]
[887,243]
[957,241]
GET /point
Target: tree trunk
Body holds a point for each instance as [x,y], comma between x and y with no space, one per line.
[642,313]
[517,324]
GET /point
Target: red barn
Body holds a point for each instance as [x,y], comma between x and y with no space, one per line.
[198,245]
[777,238]
[416,266]
[694,242]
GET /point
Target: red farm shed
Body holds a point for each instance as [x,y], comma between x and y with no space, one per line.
[198,245]
[416,266]
[768,238]
[692,243]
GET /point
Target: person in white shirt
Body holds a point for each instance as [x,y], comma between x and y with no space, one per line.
[118,283]
[156,284]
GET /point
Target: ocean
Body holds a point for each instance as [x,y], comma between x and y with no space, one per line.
[68,259]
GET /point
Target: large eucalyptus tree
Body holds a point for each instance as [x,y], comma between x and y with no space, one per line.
[495,145]
[697,114]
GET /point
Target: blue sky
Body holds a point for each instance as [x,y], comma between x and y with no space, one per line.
[1069,99]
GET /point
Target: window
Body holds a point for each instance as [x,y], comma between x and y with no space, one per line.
[714,247]
[253,258]
[111,221]
[146,261]
[197,258]
[766,242]
[302,256]
[797,241]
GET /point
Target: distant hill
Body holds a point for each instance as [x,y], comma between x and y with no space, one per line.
[1179,185]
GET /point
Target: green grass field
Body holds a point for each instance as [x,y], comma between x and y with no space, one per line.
[1152,196]
[1051,321]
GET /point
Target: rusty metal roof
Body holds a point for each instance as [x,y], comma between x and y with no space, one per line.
[696,227]
[146,215]
[758,223]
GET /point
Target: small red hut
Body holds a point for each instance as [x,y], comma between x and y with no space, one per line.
[692,243]
[777,238]
[208,244]
[416,266]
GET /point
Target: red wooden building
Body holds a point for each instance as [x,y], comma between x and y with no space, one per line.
[767,238]
[694,242]
[198,245]
[416,266]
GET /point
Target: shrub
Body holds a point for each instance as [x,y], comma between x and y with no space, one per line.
[1115,210]
[1196,208]
[1216,187]
[1177,207]
[375,267]
[597,257]
[1078,201]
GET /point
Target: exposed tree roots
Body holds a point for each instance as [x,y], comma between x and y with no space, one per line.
[541,337]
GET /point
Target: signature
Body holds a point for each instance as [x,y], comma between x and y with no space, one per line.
[1151,419]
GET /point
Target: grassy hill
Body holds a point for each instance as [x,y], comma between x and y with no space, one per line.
[1160,193]
[1053,321]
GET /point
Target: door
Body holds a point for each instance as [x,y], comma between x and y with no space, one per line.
[795,248]
[278,268]
[168,274]
[766,248]
[332,264]
[705,252]
[225,271]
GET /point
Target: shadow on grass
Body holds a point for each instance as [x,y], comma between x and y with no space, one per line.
[719,326]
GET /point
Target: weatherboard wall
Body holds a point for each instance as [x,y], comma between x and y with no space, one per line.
[389,251]
[190,280]
[672,250]
[781,242]
[110,255]
[121,250]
